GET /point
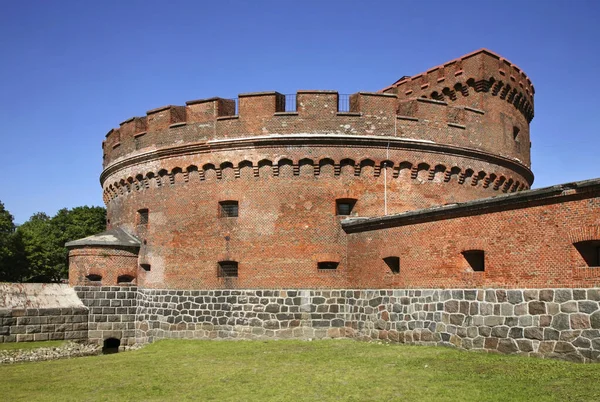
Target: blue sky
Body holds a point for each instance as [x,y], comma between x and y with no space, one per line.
[72,70]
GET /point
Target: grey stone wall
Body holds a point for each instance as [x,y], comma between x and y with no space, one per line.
[41,312]
[560,323]
[43,324]
[112,312]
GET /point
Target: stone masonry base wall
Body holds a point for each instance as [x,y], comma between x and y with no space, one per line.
[112,312]
[43,324]
[558,323]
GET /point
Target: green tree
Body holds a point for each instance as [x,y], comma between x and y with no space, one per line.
[44,239]
[9,253]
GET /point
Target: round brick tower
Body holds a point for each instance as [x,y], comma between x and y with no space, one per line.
[251,195]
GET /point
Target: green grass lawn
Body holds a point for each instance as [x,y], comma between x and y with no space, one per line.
[31,345]
[296,370]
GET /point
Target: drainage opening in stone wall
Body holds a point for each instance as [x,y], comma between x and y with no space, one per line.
[94,278]
[228,209]
[125,279]
[344,206]
[227,269]
[327,264]
[475,259]
[589,251]
[145,267]
[111,345]
[143,216]
[393,264]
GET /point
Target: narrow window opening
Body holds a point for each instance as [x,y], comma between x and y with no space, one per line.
[143,216]
[344,206]
[111,345]
[590,252]
[328,264]
[516,133]
[475,259]
[94,278]
[228,269]
[145,267]
[228,209]
[125,279]
[393,264]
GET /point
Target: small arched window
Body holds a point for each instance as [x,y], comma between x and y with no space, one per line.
[393,264]
[227,269]
[516,131]
[143,216]
[589,251]
[228,209]
[94,278]
[344,206]
[125,279]
[475,259]
[328,265]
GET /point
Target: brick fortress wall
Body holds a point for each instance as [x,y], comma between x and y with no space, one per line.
[536,239]
[286,169]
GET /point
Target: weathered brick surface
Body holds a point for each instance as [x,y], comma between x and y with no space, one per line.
[479,319]
[286,223]
[446,136]
[109,263]
[528,245]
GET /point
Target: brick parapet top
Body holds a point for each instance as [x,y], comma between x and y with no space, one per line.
[382,107]
[482,71]
[481,53]
[583,189]
[318,111]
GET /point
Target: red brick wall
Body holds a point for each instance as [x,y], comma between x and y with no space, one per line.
[110,263]
[287,219]
[180,161]
[524,248]
[482,80]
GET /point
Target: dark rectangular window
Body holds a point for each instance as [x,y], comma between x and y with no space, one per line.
[145,267]
[516,131]
[328,265]
[228,209]
[393,264]
[94,278]
[143,216]
[125,279]
[475,259]
[228,269]
[589,251]
[344,206]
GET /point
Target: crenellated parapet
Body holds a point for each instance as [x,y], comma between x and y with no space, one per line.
[479,72]
[265,114]
[260,113]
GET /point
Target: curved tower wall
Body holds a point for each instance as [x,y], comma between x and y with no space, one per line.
[287,169]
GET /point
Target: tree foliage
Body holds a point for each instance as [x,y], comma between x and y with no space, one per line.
[38,245]
[11,257]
